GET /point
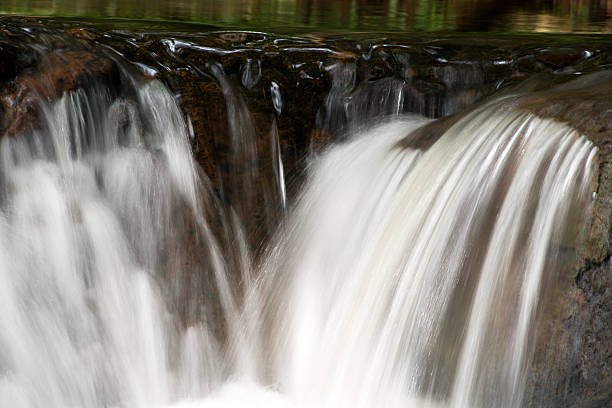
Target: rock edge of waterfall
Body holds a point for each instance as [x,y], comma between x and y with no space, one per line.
[575,349]
[572,364]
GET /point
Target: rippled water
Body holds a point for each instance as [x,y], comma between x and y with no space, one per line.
[577,16]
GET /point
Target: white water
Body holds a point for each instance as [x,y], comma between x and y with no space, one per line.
[401,277]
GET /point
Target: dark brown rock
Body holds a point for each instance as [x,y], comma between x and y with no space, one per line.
[56,73]
[560,60]
[14,59]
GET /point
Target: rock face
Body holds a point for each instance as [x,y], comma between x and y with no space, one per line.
[573,357]
[56,72]
[258,106]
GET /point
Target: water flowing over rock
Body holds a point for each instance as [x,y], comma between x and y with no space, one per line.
[243,219]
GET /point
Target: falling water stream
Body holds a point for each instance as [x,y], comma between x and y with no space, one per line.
[402,276]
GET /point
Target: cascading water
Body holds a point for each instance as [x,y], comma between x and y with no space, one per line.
[403,276]
[416,274]
[90,207]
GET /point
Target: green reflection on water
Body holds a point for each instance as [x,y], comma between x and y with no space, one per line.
[344,15]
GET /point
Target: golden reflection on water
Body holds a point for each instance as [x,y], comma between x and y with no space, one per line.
[346,15]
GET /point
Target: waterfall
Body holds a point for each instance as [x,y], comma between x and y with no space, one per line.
[93,208]
[406,273]
[401,276]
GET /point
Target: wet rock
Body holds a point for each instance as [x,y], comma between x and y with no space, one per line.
[13,60]
[572,363]
[56,73]
[560,60]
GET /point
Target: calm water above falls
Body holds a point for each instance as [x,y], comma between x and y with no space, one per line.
[566,16]
[403,275]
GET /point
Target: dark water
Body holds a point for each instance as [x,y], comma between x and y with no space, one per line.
[551,16]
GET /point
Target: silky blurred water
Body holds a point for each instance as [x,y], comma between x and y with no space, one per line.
[401,276]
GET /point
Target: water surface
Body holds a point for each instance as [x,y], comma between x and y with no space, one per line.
[561,16]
